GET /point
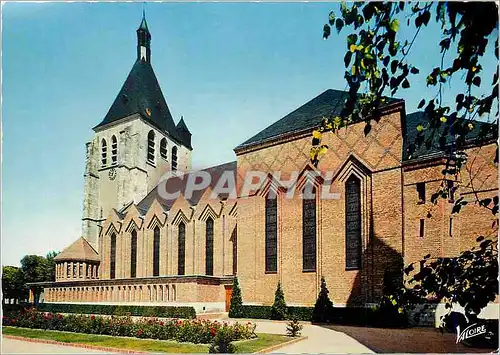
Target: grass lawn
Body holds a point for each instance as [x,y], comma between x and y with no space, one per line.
[147,345]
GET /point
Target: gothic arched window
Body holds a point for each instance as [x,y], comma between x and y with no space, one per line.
[174,158]
[163,148]
[156,251]
[209,246]
[104,153]
[234,238]
[309,230]
[151,146]
[112,257]
[181,250]
[271,234]
[133,254]
[114,151]
[353,223]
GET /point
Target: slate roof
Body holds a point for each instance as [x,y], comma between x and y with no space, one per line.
[80,250]
[142,94]
[179,184]
[307,116]
[422,151]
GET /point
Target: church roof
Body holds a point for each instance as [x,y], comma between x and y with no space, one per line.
[141,94]
[307,116]
[179,184]
[80,250]
[422,151]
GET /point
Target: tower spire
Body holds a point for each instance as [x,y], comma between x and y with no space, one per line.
[143,40]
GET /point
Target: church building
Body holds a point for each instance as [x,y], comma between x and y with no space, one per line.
[138,247]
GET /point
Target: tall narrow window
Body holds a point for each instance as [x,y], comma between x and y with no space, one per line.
[151,147]
[271,234]
[309,231]
[422,226]
[451,227]
[163,148]
[112,257]
[104,153]
[421,192]
[209,246]
[353,223]
[133,254]
[181,250]
[114,151]
[235,250]
[451,191]
[174,158]
[156,251]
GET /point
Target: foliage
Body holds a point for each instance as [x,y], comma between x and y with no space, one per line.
[323,309]
[222,342]
[236,300]
[470,279]
[195,331]
[13,285]
[377,63]
[50,266]
[118,310]
[293,328]
[264,312]
[279,309]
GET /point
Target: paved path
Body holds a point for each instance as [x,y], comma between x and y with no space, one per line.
[319,340]
[14,346]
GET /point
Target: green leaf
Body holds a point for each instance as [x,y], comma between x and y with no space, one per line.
[326,31]
[414,70]
[405,84]
[477,81]
[421,103]
[347,58]
[331,18]
[339,24]
[394,26]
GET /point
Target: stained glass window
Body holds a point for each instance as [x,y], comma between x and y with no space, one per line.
[271,235]
[133,254]
[209,246]
[112,257]
[181,251]
[309,230]
[156,251]
[353,222]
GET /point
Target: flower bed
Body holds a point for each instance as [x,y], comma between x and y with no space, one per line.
[194,331]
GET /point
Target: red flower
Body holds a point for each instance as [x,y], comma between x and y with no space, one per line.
[139,332]
[212,331]
[59,316]
[161,323]
[92,317]
[32,317]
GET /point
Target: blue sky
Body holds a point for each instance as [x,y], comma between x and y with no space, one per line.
[230,69]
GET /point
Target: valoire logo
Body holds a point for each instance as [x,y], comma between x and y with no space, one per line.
[470,332]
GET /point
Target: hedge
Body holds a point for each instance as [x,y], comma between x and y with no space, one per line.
[340,315]
[264,312]
[195,331]
[119,310]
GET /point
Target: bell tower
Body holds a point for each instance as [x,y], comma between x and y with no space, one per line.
[135,144]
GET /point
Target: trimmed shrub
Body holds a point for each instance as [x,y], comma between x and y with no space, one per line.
[278,309]
[323,309]
[293,328]
[120,310]
[195,331]
[265,312]
[236,300]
